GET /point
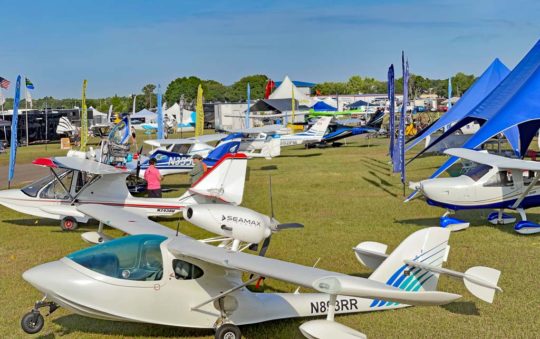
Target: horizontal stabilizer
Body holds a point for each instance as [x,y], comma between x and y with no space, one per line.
[321,329]
[347,285]
[480,281]
[371,254]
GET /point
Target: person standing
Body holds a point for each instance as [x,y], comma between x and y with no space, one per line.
[153,179]
[199,167]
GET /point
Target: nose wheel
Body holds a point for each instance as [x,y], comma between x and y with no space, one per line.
[32,322]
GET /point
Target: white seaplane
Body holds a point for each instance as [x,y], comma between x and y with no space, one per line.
[75,183]
[492,181]
[160,276]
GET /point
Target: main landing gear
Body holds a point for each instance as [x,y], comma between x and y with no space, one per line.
[32,322]
[223,326]
[69,224]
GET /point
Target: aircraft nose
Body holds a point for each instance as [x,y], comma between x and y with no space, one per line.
[46,276]
[11,194]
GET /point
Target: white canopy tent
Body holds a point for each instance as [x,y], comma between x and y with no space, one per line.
[285,91]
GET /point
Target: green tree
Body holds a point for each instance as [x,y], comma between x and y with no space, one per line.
[186,86]
[257,84]
[148,92]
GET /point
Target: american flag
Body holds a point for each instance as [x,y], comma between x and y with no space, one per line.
[4,83]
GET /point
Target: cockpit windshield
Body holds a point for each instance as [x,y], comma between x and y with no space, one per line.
[33,189]
[136,257]
[477,172]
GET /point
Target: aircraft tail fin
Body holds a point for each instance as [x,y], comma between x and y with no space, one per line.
[320,127]
[225,181]
[428,246]
[271,148]
[221,150]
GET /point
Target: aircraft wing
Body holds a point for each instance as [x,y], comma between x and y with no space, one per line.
[79,164]
[166,142]
[318,279]
[126,221]
[261,129]
[209,137]
[498,161]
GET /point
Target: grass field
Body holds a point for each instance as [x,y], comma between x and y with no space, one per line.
[343,196]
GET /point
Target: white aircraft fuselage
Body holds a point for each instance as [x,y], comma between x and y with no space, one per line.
[165,295]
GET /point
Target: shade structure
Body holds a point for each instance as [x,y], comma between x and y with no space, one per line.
[481,88]
[512,107]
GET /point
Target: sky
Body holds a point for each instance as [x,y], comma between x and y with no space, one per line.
[119,46]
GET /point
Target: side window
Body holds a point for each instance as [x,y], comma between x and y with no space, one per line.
[184,270]
[500,179]
[55,190]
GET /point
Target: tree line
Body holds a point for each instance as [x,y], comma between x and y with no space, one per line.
[186,87]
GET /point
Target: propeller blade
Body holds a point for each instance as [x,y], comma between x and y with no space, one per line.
[288,226]
[265,245]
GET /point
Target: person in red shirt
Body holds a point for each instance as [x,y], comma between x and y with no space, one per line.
[153,179]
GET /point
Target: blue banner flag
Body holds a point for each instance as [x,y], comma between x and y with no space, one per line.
[160,134]
[391,99]
[449,93]
[248,104]
[13,146]
[401,140]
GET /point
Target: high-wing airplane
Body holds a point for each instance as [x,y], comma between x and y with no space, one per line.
[75,183]
[266,141]
[492,181]
[338,132]
[175,155]
[160,276]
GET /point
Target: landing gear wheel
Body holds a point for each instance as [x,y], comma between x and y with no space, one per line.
[228,331]
[32,322]
[69,224]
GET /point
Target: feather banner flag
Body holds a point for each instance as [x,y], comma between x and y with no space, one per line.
[199,123]
[14,123]
[84,118]
[391,100]
[160,132]
[449,93]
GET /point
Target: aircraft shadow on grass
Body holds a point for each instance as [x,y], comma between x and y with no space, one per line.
[377,167]
[462,307]
[301,155]
[475,217]
[378,184]
[268,168]
[75,323]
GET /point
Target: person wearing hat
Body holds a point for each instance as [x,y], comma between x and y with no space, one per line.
[199,167]
[153,180]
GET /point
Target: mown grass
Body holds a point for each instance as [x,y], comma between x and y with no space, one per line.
[343,196]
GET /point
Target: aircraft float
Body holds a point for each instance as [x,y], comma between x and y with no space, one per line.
[492,181]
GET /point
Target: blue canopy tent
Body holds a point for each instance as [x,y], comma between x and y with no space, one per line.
[357,104]
[484,85]
[322,106]
[513,108]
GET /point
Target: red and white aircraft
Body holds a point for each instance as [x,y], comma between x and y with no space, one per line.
[75,183]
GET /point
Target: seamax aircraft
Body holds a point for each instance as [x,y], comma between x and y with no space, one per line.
[175,155]
[160,276]
[492,181]
[76,182]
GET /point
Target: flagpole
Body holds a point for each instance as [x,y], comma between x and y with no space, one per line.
[26,110]
[3,113]
[46,127]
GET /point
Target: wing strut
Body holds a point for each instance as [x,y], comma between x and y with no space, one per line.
[526,192]
[222,294]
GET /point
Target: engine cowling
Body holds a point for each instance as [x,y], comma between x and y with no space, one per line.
[231,221]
